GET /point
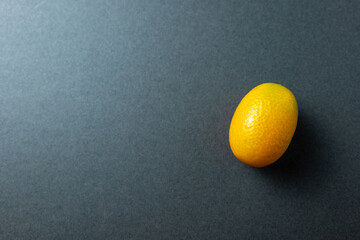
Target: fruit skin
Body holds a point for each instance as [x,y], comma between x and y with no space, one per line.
[263,124]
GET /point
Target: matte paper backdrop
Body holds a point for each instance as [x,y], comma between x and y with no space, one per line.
[114,119]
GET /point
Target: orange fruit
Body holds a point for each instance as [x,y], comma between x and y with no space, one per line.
[263,125]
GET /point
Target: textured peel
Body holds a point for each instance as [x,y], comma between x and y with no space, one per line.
[263,124]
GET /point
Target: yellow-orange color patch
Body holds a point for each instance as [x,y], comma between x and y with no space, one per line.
[263,124]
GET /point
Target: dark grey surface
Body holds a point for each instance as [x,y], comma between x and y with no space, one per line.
[114,119]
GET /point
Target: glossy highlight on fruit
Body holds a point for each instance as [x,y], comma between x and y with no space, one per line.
[263,125]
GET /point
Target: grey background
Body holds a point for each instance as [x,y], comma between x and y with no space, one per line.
[114,119]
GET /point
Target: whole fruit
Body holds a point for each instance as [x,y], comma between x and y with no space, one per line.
[263,124]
